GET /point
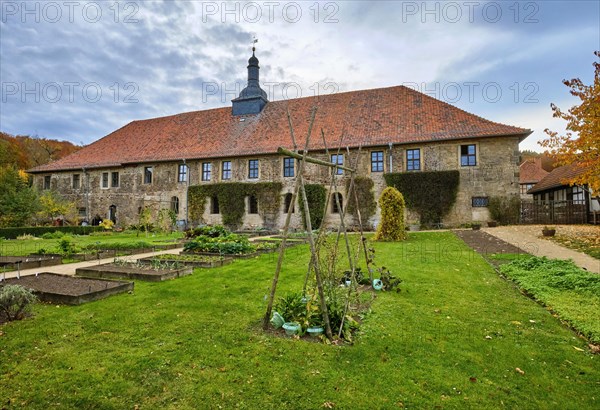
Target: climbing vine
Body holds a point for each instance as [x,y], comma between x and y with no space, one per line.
[431,194]
[232,200]
[366,198]
[316,196]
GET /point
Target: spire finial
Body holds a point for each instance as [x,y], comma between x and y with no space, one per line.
[254,41]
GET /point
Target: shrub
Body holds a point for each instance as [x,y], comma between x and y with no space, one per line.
[210,231]
[292,307]
[505,209]
[54,235]
[391,226]
[107,225]
[66,246]
[15,301]
[230,245]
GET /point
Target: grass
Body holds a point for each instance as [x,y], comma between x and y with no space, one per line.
[452,338]
[562,286]
[25,247]
[589,246]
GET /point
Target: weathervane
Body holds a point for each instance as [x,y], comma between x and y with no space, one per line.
[254,41]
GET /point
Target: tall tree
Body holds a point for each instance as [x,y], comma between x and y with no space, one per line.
[581,142]
[18,201]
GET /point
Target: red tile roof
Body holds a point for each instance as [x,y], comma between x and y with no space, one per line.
[365,118]
[556,178]
[531,171]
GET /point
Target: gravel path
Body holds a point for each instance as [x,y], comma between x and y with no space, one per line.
[526,238]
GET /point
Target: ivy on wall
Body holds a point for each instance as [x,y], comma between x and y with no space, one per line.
[431,194]
[232,201]
[366,198]
[316,196]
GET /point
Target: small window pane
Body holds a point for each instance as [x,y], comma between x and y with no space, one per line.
[468,155]
[105,180]
[182,173]
[377,161]
[206,171]
[479,201]
[115,179]
[338,160]
[288,167]
[148,175]
[76,181]
[413,159]
[253,169]
[226,171]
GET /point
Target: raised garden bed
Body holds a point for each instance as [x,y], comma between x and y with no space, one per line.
[69,290]
[196,261]
[132,271]
[29,262]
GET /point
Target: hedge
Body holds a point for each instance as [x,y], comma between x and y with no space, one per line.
[432,194]
[13,233]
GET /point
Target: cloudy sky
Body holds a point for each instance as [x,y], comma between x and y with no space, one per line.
[78,70]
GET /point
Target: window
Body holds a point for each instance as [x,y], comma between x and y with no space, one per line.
[287,203]
[253,169]
[214,205]
[148,171]
[468,155]
[337,203]
[338,160]
[377,161]
[82,212]
[175,205]
[182,173]
[413,159]
[226,170]
[206,170]
[76,181]
[525,188]
[252,205]
[114,179]
[47,182]
[288,167]
[105,180]
[479,201]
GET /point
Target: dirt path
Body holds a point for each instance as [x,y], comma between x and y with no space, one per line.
[69,268]
[525,237]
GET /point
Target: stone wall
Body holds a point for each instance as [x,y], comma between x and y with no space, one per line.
[496,174]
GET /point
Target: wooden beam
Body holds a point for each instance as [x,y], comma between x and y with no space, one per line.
[283,151]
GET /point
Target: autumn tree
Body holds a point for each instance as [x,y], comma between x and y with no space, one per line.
[53,205]
[18,200]
[581,142]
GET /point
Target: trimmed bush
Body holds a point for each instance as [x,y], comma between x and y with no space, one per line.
[15,301]
[366,198]
[391,226]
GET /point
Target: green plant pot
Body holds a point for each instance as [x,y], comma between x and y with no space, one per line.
[315,331]
[291,328]
[377,284]
[277,320]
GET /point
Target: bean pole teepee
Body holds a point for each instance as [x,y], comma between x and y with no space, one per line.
[299,188]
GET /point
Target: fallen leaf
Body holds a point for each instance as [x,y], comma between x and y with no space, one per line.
[594,348]
[519,370]
[578,349]
[329,404]
[516,322]
[473,379]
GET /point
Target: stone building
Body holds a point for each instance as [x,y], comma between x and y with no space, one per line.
[154,163]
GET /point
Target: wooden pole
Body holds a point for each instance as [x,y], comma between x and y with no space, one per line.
[288,218]
[293,154]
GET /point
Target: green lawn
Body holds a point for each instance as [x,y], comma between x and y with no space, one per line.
[453,338]
[16,247]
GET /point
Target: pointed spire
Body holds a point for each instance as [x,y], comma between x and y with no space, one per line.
[252,99]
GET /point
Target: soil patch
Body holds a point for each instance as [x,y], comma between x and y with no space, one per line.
[61,289]
[485,244]
[113,271]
